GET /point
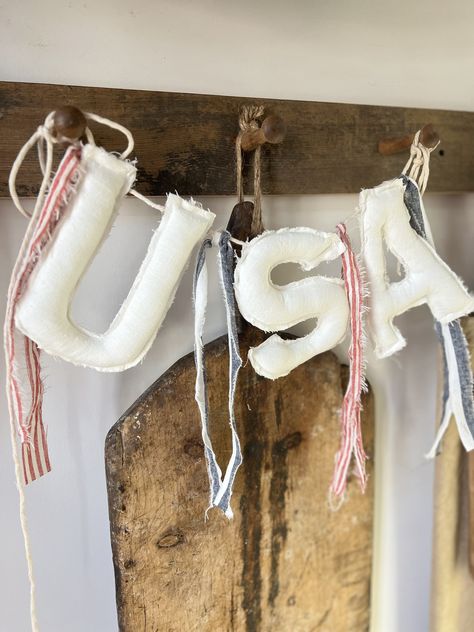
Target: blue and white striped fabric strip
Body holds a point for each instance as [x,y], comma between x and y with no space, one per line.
[200,304]
[220,489]
[226,271]
[446,408]
[459,399]
[462,355]
[457,396]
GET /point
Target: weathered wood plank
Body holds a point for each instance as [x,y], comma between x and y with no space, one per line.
[185,142]
[286,561]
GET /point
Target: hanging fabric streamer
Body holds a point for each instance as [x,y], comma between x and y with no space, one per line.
[22,354]
[53,262]
[24,385]
[351,431]
[226,271]
[220,488]
[23,371]
[200,289]
[457,397]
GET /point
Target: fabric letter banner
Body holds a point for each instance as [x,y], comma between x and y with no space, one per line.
[276,308]
[60,243]
[385,217]
[43,312]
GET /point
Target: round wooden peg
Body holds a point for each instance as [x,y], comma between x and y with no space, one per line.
[428,137]
[273,131]
[69,123]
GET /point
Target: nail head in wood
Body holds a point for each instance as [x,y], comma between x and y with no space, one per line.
[69,123]
[272,131]
[428,137]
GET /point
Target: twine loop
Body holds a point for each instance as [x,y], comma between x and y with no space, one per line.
[249,118]
[418,165]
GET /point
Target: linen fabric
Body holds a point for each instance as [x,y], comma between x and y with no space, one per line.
[220,487]
[351,431]
[275,308]
[43,312]
[22,357]
[452,595]
[457,397]
[385,217]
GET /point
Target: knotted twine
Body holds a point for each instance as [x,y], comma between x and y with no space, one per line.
[457,396]
[221,487]
[248,121]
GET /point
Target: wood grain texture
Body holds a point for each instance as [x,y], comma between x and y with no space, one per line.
[286,562]
[470,492]
[185,142]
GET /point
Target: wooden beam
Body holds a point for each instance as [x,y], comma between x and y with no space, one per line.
[185,142]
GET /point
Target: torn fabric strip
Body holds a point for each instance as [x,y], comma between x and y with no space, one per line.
[220,488]
[25,388]
[200,302]
[457,396]
[351,432]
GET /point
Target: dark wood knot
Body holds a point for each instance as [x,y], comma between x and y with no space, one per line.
[171,538]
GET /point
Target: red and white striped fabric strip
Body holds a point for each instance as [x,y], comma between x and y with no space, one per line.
[351,432]
[22,354]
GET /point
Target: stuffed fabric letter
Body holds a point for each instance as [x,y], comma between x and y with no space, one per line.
[42,313]
[275,308]
[384,216]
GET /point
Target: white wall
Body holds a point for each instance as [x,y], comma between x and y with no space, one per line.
[414,54]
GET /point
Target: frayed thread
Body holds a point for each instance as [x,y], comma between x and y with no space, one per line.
[351,432]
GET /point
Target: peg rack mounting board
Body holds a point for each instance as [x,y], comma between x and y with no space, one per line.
[185,142]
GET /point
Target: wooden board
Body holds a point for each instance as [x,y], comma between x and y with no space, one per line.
[185,142]
[286,563]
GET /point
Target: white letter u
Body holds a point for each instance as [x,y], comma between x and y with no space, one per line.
[43,312]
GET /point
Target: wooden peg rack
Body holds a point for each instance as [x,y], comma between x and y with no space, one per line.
[185,142]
